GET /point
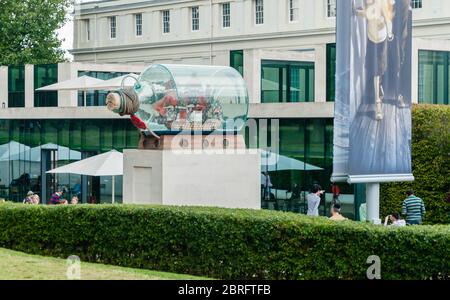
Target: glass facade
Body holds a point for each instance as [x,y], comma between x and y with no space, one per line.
[307,144]
[237,60]
[45,75]
[16,86]
[28,148]
[434,80]
[331,72]
[96,98]
[283,81]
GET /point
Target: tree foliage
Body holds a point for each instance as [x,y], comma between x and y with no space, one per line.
[28,31]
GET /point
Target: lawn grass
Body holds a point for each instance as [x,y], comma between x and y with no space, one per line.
[18,266]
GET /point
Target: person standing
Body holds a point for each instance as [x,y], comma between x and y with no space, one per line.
[313,200]
[413,209]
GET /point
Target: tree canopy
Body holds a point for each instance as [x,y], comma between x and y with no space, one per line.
[28,31]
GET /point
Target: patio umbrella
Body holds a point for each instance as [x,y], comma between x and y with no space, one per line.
[275,162]
[12,148]
[106,164]
[83,83]
[116,83]
[34,154]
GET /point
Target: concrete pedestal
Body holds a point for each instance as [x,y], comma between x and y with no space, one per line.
[229,179]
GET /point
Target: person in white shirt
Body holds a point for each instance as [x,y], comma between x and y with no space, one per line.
[313,200]
[395,220]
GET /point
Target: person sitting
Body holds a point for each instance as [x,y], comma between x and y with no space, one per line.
[336,213]
[35,198]
[395,220]
[74,200]
[57,196]
[28,199]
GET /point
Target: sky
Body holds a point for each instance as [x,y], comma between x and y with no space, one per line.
[66,32]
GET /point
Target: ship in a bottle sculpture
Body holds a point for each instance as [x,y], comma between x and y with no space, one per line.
[185,100]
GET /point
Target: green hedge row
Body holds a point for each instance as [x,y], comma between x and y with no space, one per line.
[430,163]
[223,243]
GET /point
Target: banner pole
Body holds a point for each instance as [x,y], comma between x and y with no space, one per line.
[113,189]
[373,203]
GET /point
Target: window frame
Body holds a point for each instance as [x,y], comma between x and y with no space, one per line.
[292,9]
[87,29]
[259,15]
[308,66]
[138,27]
[329,5]
[416,4]
[195,18]
[165,20]
[224,16]
[111,27]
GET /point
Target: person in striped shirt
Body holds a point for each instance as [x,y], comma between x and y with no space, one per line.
[413,209]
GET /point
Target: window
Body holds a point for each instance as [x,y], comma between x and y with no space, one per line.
[195,18]
[287,81]
[434,79]
[293,10]
[166,21]
[138,24]
[331,8]
[87,29]
[112,27]
[226,15]
[16,86]
[45,75]
[259,12]
[237,60]
[331,72]
[416,4]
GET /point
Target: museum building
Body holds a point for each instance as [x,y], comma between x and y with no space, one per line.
[285,51]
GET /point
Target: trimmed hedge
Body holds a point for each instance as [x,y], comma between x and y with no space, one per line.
[224,243]
[430,163]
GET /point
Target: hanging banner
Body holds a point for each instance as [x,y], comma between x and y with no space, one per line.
[372,127]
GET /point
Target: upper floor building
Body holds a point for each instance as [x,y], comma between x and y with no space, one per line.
[138,29]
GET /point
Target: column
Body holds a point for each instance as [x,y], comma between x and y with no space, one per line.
[29,86]
[320,73]
[67,71]
[3,87]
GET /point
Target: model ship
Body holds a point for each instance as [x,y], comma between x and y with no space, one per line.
[169,100]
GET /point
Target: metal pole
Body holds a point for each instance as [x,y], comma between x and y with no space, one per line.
[113,189]
[373,203]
